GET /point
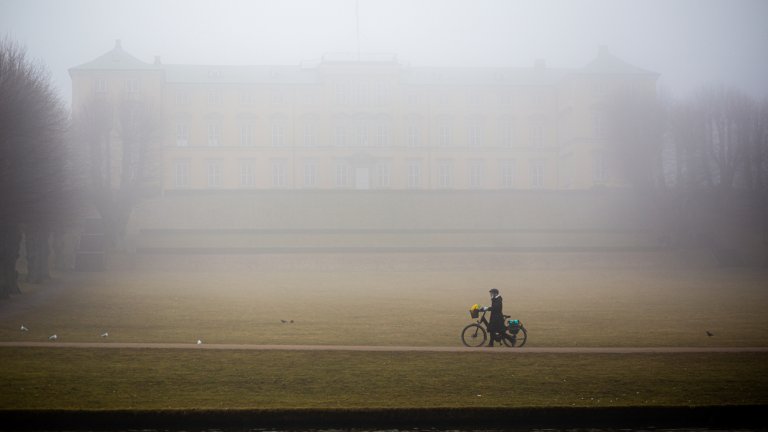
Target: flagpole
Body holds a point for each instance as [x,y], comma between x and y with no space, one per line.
[357,20]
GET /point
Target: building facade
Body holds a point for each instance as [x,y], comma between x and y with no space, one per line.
[369,122]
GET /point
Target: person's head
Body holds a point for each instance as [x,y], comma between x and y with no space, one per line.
[494,292]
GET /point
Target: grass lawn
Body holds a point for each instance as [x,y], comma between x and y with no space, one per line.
[166,379]
[618,307]
[559,307]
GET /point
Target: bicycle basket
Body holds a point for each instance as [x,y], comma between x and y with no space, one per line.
[474,311]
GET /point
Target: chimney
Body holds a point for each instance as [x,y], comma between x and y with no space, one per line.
[118,46]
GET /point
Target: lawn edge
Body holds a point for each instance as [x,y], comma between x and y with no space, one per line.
[728,416]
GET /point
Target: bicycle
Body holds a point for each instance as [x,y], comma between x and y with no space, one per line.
[476,334]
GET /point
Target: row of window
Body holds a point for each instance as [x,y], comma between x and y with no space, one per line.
[345,94]
[344,135]
[130,86]
[345,175]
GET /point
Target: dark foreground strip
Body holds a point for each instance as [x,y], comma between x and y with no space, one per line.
[728,417]
[387,348]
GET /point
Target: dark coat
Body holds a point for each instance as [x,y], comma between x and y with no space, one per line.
[496,323]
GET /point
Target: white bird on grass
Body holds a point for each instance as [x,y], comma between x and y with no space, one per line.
[105,334]
[53,337]
[199,342]
[23,328]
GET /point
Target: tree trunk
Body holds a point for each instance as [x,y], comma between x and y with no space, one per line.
[10,240]
[38,253]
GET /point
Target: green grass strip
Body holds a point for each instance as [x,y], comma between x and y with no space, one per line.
[120,379]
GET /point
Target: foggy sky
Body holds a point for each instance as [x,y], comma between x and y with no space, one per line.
[690,43]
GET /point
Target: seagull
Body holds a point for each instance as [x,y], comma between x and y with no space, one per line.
[709,333]
[53,337]
[199,342]
[105,334]
[24,328]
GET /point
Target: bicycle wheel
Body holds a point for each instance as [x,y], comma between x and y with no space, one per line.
[473,335]
[517,340]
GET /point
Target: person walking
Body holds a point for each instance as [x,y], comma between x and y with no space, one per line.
[496,323]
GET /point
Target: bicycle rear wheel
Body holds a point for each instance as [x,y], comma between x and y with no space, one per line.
[473,335]
[515,340]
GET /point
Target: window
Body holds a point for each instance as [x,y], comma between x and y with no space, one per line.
[381,175]
[310,174]
[132,86]
[476,173]
[379,94]
[246,135]
[505,99]
[445,174]
[599,172]
[181,173]
[279,171]
[413,136]
[598,124]
[182,97]
[414,174]
[412,98]
[537,133]
[343,175]
[507,133]
[182,135]
[340,137]
[214,97]
[247,175]
[248,97]
[362,135]
[309,138]
[507,174]
[537,174]
[101,85]
[214,135]
[474,98]
[360,94]
[444,135]
[382,135]
[342,94]
[279,97]
[278,135]
[214,173]
[473,135]
[566,170]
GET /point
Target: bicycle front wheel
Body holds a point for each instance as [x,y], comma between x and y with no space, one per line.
[473,335]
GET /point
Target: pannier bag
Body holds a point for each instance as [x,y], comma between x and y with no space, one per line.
[514,326]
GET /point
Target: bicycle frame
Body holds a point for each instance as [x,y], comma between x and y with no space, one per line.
[485,323]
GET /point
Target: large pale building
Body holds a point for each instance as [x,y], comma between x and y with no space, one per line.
[370,122]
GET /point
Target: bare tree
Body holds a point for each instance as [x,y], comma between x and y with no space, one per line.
[728,125]
[692,169]
[120,141]
[757,168]
[634,128]
[36,194]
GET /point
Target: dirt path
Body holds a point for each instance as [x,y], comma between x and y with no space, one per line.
[530,350]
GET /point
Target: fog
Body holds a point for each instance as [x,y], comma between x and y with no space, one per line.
[689,42]
[360,182]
